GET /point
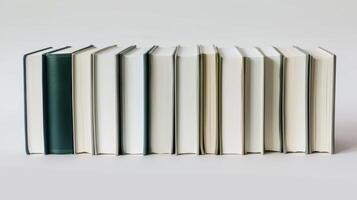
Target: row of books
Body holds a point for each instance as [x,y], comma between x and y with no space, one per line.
[179,100]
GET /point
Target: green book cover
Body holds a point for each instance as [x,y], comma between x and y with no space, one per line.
[58,98]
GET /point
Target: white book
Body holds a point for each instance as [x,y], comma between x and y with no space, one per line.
[34,101]
[82,89]
[133,89]
[210,71]
[253,100]
[272,115]
[295,100]
[187,100]
[322,100]
[232,101]
[106,100]
[161,100]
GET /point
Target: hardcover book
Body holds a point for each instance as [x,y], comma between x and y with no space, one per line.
[232,101]
[253,100]
[209,134]
[161,100]
[322,100]
[82,92]
[295,100]
[133,101]
[273,62]
[187,94]
[33,86]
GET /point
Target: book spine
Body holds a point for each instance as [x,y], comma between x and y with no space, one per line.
[57,77]
[283,102]
[333,105]
[120,102]
[281,141]
[174,139]
[176,104]
[308,149]
[262,151]
[219,102]
[25,105]
[201,105]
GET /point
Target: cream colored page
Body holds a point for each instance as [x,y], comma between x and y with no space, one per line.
[34,104]
[161,104]
[211,105]
[82,92]
[254,105]
[133,101]
[232,106]
[188,104]
[295,104]
[107,126]
[272,103]
[322,82]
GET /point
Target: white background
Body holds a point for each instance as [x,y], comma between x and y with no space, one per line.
[29,25]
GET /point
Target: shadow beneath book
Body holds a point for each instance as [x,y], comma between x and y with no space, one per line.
[346,136]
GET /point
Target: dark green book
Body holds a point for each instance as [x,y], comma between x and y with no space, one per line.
[57,101]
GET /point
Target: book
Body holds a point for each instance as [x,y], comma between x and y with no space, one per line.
[134,97]
[232,101]
[161,100]
[322,100]
[253,100]
[273,62]
[82,92]
[187,94]
[209,134]
[106,99]
[179,100]
[33,101]
[57,101]
[295,100]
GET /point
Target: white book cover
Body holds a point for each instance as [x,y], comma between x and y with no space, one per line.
[232,101]
[295,100]
[210,70]
[253,100]
[272,114]
[161,100]
[82,89]
[322,97]
[34,102]
[133,72]
[187,100]
[106,100]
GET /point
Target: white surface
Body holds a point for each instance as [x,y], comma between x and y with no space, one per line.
[133,101]
[161,101]
[232,112]
[29,25]
[187,90]
[82,101]
[253,101]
